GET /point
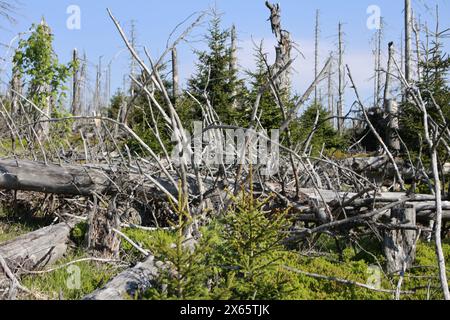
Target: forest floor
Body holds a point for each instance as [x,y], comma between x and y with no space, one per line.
[60,283]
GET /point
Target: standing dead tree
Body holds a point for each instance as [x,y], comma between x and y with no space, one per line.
[316,51]
[433,137]
[408,43]
[283,50]
[341,74]
[387,85]
[377,55]
[175,75]
[76,85]
[391,106]
[398,244]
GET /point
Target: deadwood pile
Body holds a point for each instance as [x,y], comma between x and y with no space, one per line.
[324,195]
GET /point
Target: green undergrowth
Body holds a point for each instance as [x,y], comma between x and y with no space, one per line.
[14,225]
[70,282]
[241,257]
[207,276]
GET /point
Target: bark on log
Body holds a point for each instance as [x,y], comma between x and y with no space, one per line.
[37,249]
[38,177]
[129,283]
[101,238]
[399,245]
[393,140]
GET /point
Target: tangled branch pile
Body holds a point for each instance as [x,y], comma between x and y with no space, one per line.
[110,173]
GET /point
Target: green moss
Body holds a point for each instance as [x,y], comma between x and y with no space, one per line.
[78,233]
[321,289]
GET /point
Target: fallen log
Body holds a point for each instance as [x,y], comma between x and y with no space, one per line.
[37,249]
[49,178]
[81,180]
[129,283]
[34,251]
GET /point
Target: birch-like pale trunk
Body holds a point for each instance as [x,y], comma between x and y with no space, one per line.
[340,107]
[316,53]
[408,32]
[76,85]
[175,75]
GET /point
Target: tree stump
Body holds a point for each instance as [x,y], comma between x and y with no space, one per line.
[399,244]
[102,239]
[393,140]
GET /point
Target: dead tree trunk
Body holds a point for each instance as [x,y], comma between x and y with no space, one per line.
[340,107]
[83,85]
[316,54]
[38,177]
[97,94]
[133,63]
[102,239]
[37,249]
[387,86]
[399,244]
[129,283]
[330,95]
[283,49]
[16,91]
[408,30]
[76,85]
[416,29]
[175,75]
[393,140]
[391,107]
[378,64]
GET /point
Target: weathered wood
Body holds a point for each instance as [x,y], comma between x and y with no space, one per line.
[76,88]
[393,141]
[38,177]
[16,91]
[101,238]
[283,48]
[316,53]
[387,86]
[399,248]
[129,283]
[37,249]
[341,73]
[175,75]
[408,33]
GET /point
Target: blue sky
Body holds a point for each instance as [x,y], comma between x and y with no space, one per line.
[156,19]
